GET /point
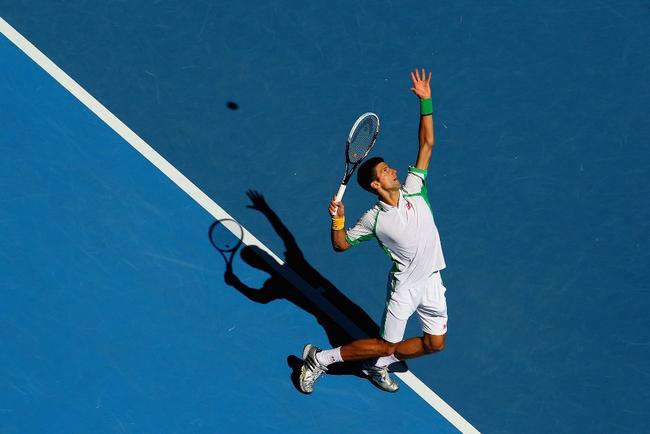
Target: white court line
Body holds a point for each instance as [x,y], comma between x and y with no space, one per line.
[209,205]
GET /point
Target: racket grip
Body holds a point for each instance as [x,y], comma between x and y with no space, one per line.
[339,196]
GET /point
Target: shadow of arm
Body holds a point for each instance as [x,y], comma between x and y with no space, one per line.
[259,204]
[263,295]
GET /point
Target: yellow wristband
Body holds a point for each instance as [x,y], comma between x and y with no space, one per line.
[338,223]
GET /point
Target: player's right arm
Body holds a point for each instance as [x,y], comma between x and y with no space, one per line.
[339,242]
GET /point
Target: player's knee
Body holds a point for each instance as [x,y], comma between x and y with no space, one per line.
[433,344]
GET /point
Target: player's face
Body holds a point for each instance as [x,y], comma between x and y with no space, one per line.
[387,177]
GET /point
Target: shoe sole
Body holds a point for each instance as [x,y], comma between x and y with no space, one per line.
[378,386]
[302,373]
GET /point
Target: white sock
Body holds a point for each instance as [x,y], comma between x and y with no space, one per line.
[327,357]
[386,360]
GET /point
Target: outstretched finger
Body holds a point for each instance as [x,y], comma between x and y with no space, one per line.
[413,79]
[417,74]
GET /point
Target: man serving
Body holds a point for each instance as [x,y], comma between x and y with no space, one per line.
[403,224]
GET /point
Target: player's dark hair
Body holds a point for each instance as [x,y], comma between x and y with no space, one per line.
[367,173]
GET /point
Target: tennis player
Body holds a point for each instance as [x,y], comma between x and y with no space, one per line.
[402,222]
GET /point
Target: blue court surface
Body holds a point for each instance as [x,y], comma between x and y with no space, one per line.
[115,314]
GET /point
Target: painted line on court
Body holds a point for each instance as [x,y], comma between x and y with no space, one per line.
[214,209]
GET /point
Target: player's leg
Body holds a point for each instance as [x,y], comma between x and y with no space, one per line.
[362,349]
[432,313]
[434,325]
[316,361]
[381,349]
[392,333]
[396,315]
[416,347]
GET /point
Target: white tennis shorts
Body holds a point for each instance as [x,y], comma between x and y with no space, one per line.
[426,298]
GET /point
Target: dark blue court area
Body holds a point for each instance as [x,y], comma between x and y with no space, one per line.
[116,315]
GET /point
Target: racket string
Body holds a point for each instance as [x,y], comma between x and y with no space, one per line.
[362,139]
[226,235]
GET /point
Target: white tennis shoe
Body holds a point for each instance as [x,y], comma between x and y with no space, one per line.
[311,369]
[379,375]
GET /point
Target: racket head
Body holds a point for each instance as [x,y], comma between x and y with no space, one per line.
[362,137]
[226,235]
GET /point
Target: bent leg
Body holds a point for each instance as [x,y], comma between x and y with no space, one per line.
[366,349]
[416,347]
[432,313]
[433,318]
[392,332]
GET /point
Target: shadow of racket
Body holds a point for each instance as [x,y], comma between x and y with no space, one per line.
[226,235]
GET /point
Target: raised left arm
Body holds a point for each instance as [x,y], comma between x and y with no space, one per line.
[421,87]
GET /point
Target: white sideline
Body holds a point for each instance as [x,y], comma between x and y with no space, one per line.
[209,205]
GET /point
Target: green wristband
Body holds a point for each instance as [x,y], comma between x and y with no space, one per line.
[426,107]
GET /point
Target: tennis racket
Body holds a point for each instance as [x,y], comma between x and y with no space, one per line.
[360,141]
[226,236]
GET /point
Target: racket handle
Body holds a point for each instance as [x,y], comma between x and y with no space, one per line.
[339,196]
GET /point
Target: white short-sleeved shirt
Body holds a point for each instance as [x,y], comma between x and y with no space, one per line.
[407,232]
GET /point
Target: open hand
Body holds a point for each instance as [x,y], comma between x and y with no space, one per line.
[258,202]
[421,85]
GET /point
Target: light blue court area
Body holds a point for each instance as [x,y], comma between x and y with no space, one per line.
[114,314]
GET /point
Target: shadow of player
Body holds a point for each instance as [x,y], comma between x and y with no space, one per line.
[310,283]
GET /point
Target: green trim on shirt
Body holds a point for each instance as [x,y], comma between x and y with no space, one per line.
[423,191]
[414,169]
[360,239]
[425,195]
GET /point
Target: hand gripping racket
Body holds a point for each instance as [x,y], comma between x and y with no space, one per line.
[361,139]
[226,236]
